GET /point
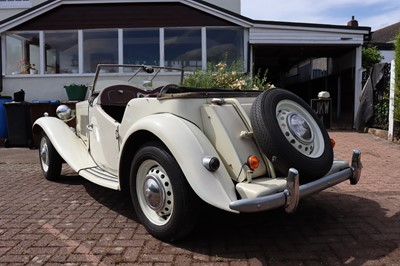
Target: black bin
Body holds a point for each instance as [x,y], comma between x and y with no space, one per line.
[18,125]
[37,109]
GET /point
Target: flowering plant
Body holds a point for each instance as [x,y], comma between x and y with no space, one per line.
[25,66]
[228,77]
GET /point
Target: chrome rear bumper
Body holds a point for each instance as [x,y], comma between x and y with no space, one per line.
[289,198]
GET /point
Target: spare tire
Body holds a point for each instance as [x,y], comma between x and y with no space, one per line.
[290,134]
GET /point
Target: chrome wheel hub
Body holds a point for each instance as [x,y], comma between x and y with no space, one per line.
[44,153]
[154,192]
[300,128]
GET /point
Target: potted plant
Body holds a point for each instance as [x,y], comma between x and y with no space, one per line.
[76,92]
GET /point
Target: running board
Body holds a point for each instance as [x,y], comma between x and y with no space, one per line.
[100,177]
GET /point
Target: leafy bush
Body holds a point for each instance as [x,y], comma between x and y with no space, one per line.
[226,77]
[370,56]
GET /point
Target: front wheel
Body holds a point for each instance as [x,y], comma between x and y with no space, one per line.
[163,200]
[50,160]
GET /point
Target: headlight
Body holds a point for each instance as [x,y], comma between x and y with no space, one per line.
[64,112]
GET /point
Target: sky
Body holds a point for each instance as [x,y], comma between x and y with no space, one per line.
[376,14]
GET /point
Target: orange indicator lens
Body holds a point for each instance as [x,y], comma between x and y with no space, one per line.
[253,162]
[333,143]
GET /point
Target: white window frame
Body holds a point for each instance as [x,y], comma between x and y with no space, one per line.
[121,52]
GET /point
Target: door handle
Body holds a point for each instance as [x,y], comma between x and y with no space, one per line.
[89,127]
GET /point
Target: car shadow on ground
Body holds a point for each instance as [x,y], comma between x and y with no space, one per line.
[328,228]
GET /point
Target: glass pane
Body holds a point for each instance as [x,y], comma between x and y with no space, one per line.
[22,53]
[224,45]
[142,46]
[183,48]
[61,52]
[99,47]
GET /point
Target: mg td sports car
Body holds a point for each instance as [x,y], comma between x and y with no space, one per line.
[172,148]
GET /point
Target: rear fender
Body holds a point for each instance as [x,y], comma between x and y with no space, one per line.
[189,146]
[68,145]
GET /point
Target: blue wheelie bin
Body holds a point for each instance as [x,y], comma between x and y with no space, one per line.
[3,116]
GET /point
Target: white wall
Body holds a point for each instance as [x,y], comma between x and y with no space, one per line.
[8,9]
[232,5]
[389,56]
[38,87]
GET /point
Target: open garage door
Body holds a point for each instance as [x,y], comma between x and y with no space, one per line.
[309,69]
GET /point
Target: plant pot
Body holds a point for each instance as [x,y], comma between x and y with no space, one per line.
[76,92]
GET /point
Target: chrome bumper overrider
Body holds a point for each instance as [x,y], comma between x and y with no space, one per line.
[289,198]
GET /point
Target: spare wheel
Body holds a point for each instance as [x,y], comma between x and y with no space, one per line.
[291,135]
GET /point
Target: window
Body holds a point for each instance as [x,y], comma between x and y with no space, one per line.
[99,47]
[61,52]
[141,46]
[80,51]
[224,45]
[183,48]
[22,53]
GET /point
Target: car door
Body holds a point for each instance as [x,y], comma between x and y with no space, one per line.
[103,139]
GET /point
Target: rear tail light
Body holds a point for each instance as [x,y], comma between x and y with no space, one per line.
[333,143]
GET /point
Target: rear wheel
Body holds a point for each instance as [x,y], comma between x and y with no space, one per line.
[164,202]
[50,160]
[291,135]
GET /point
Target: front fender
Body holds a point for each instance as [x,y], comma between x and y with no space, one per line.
[189,146]
[67,144]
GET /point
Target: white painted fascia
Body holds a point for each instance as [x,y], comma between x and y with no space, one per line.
[305,28]
[287,34]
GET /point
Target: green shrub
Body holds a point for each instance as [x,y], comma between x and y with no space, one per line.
[370,56]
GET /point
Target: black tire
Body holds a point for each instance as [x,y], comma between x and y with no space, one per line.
[50,160]
[274,116]
[169,210]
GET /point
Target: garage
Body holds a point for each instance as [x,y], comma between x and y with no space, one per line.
[309,58]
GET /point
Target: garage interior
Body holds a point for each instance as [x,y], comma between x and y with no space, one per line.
[309,69]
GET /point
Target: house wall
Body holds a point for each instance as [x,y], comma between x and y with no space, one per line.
[40,88]
[232,5]
[388,56]
[13,8]
[121,15]
[8,10]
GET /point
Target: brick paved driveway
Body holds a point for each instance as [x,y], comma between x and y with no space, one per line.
[76,222]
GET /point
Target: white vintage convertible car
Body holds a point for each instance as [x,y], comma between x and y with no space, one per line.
[174,148]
